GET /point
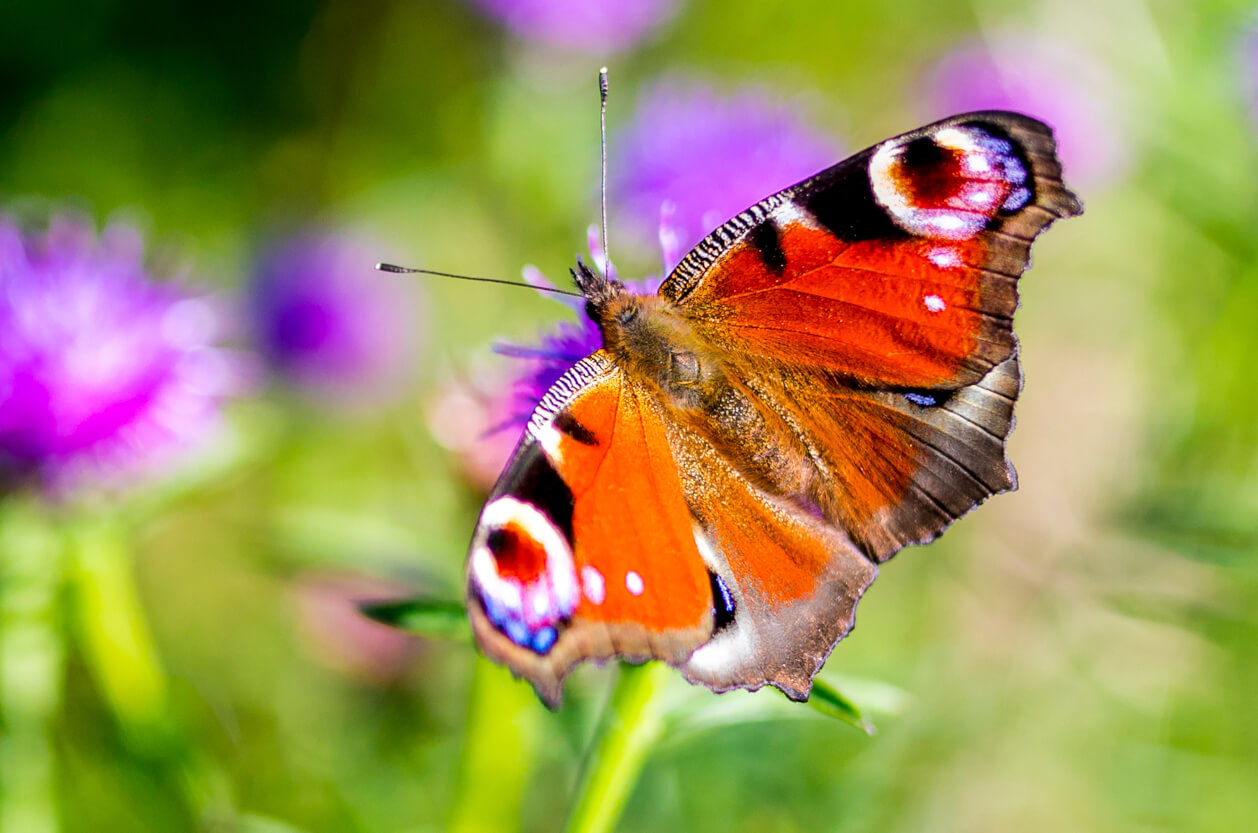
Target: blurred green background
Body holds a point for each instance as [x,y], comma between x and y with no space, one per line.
[1081,654]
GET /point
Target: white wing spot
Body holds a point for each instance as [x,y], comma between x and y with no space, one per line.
[634,583]
[944,258]
[935,304]
[592,584]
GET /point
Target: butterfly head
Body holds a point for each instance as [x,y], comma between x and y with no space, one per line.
[599,289]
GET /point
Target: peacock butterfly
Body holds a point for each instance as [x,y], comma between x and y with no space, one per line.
[826,378]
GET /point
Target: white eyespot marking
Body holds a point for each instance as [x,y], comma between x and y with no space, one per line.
[958,138]
[978,164]
[944,257]
[592,584]
[981,195]
[934,303]
[634,583]
[524,607]
[952,190]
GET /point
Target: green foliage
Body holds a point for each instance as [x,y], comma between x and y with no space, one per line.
[429,618]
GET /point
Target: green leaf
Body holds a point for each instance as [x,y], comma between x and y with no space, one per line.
[431,618]
[827,700]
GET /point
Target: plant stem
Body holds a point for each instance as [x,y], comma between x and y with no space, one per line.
[498,753]
[32,655]
[114,632]
[634,722]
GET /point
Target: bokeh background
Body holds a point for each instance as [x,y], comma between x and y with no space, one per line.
[221,429]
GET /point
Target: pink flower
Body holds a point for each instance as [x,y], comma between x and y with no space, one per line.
[338,636]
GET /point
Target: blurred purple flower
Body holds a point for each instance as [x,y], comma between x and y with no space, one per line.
[1064,88]
[581,25]
[102,371]
[711,155]
[331,325]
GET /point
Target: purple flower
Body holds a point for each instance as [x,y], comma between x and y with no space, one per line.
[594,26]
[329,324]
[710,155]
[102,371]
[1066,89]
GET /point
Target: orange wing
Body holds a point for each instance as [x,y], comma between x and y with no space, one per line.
[792,580]
[896,268]
[586,548]
[616,531]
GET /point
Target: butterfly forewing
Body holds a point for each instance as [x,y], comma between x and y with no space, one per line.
[870,310]
[586,548]
[895,268]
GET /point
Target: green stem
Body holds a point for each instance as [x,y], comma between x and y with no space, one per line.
[634,722]
[498,753]
[114,632]
[32,656]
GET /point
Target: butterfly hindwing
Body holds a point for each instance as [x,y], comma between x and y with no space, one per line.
[791,580]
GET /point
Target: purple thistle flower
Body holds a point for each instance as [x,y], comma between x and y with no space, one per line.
[102,371]
[1066,89]
[329,324]
[593,26]
[710,155]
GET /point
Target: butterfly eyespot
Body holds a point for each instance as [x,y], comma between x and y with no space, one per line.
[950,184]
[523,574]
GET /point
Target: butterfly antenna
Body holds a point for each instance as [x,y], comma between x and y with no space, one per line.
[406,270]
[602,121]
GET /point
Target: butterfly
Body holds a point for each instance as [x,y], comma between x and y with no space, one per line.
[824,379]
